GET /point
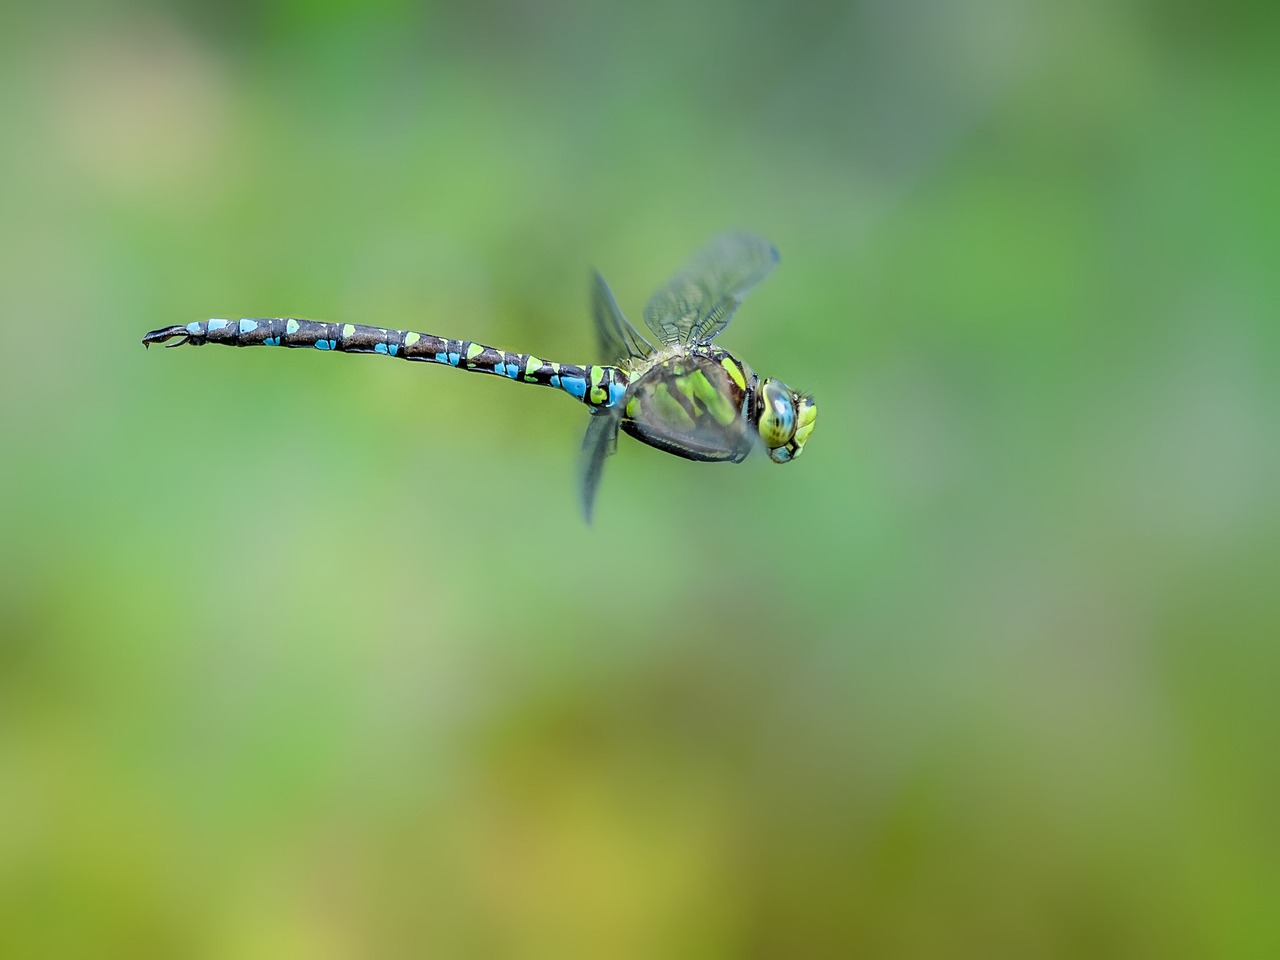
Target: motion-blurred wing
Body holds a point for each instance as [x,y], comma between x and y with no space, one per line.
[600,443]
[699,301]
[617,337]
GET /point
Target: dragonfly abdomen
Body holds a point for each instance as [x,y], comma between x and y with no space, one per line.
[594,385]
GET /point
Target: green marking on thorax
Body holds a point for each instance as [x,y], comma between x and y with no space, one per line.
[735,371]
[699,389]
[667,407]
[348,329]
[411,338]
[531,366]
[474,350]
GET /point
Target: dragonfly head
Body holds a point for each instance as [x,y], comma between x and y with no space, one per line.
[784,419]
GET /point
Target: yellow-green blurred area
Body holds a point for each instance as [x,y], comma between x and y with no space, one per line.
[314,656]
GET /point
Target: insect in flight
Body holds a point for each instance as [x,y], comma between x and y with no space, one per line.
[678,392]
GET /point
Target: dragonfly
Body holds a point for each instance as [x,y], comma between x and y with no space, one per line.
[676,390]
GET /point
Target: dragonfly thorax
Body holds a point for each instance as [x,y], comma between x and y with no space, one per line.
[702,403]
[693,402]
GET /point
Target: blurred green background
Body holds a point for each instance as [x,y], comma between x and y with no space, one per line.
[312,656]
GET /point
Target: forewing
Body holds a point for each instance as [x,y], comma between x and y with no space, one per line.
[618,339]
[599,444]
[700,300]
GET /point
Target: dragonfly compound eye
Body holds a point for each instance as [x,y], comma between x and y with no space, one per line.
[786,420]
[777,421]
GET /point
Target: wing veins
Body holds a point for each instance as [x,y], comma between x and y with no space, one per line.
[700,299]
[616,336]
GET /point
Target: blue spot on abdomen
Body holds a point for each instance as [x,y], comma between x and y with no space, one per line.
[577,386]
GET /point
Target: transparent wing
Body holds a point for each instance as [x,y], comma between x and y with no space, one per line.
[617,337]
[699,301]
[600,443]
[691,407]
[704,439]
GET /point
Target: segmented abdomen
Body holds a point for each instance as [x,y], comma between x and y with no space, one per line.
[596,386]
